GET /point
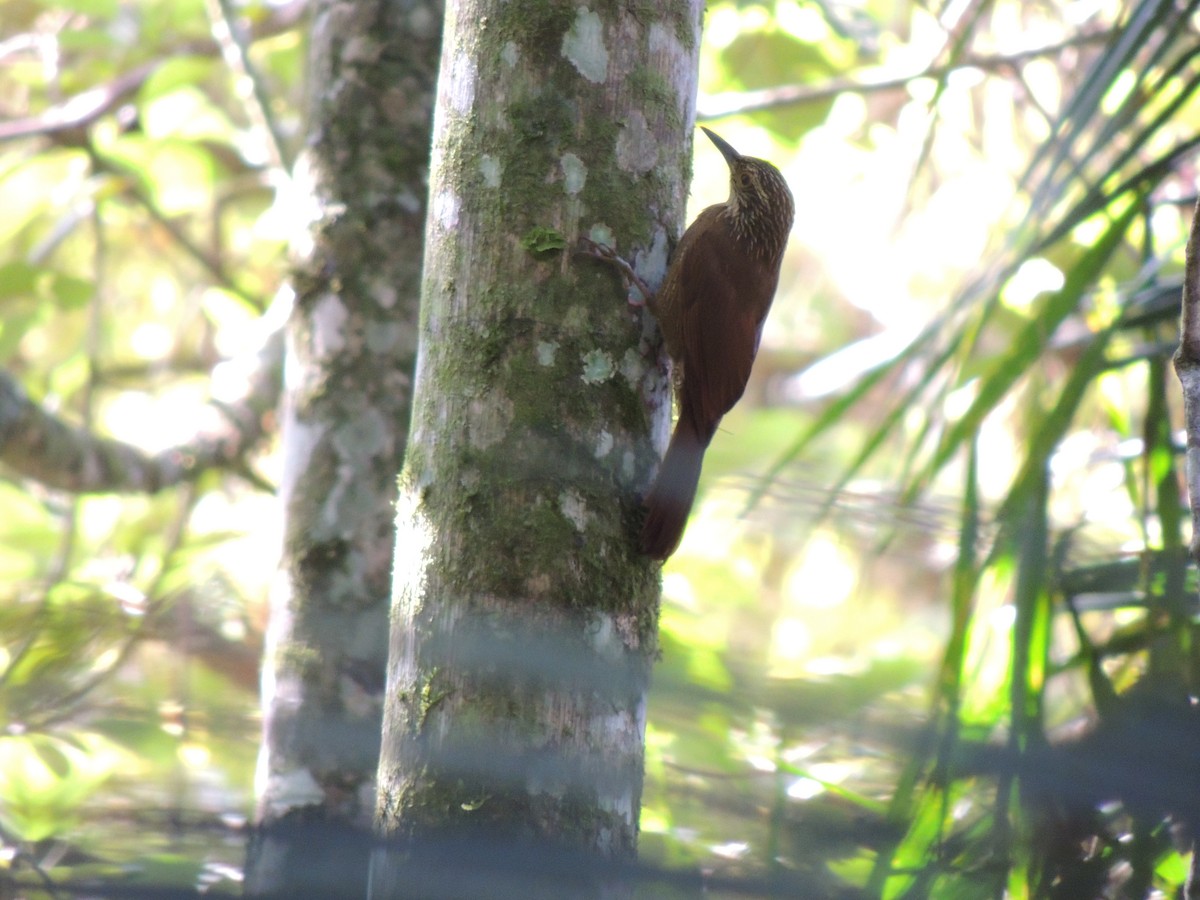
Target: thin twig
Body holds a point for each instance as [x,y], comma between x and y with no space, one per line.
[236,51]
[83,109]
[66,705]
[588,247]
[41,446]
[210,263]
[737,103]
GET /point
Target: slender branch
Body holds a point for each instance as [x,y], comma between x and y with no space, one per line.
[86,107]
[736,103]
[235,48]
[82,109]
[1187,367]
[22,855]
[39,445]
[132,183]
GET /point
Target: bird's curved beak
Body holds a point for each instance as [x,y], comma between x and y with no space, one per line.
[727,151]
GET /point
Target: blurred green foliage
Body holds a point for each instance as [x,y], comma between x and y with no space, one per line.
[141,238]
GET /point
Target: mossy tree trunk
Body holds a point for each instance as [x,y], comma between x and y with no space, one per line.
[351,351]
[524,622]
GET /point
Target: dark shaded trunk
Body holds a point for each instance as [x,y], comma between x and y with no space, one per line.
[351,351]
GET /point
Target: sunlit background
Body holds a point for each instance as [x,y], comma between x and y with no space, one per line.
[846,581]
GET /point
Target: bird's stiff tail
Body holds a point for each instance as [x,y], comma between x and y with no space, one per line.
[670,499]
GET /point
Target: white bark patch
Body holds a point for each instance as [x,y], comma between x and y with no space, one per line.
[361,437]
[445,210]
[574,173]
[328,320]
[654,262]
[637,148]
[358,441]
[633,366]
[627,627]
[613,636]
[414,537]
[509,54]
[620,805]
[665,45]
[286,791]
[360,703]
[297,203]
[574,509]
[583,46]
[597,367]
[605,639]
[360,50]
[302,440]
[1192,465]
[463,76]
[546,351]
[489,168]
[604,444]
[469,479]
[489,421]
[602,234]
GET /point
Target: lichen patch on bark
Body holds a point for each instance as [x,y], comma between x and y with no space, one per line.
[584,46]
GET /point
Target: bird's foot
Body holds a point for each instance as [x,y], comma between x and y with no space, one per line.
[588,247]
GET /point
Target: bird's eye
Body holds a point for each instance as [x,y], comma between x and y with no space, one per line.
[746,179]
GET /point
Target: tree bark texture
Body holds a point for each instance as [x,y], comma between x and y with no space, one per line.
[348,384]
[524,622]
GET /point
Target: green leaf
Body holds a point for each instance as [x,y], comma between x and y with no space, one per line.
[174,73]
[98,9]
[18,280]
[178,175]
[44,780]
[186,113]
[1028,345]
[53,757]
[72,292]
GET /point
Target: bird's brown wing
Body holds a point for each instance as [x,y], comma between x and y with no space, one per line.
[725,294]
